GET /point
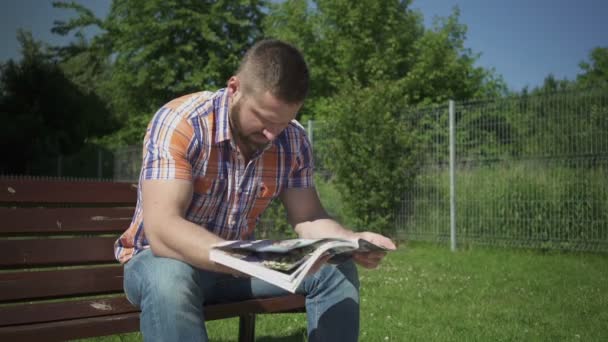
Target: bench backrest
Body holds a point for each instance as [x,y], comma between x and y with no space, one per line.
[58,276]
[49,230]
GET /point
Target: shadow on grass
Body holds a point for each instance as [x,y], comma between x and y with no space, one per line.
[298,336]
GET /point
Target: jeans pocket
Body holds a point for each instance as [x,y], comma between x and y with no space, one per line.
[131,286]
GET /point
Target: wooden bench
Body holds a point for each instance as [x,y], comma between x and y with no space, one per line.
[58,276]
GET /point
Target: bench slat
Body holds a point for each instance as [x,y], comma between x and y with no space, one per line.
[54,252]
[289,303]
[58,191]
[32,313]
[36,313]
[129,322]
[29,285]
[72,329]
[64,220]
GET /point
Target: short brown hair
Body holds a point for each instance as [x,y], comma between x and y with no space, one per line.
[278,67]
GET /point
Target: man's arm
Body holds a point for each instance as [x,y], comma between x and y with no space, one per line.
[308,217]
[168,232]
[310,221]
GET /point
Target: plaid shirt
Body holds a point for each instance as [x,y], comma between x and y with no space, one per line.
[190,138]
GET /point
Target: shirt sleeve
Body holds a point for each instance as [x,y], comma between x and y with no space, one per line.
[168,139]
[303,166]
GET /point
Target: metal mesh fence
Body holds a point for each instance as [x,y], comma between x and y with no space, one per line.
[530,172]
[127,163]
[91,162]
[424,213]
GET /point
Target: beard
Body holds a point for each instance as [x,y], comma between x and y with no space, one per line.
[237,130]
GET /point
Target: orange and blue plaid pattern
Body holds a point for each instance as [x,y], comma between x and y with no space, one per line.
[190,138]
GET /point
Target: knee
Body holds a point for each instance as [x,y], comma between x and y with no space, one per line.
[167,282]
[176,283]
[349,271]
[176,288]
[341,280]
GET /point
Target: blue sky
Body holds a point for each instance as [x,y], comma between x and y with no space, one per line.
[522,40]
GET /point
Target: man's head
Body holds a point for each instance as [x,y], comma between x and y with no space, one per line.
[267,92]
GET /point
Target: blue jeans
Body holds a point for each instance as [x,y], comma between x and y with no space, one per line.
[171,295]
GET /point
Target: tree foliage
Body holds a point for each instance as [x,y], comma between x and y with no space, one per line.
[375,149]
[43,112]
[372,63]
[161,49]
[554,104]
[365,42]
[595,71]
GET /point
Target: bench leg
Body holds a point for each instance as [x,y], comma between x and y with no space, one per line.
[247,328]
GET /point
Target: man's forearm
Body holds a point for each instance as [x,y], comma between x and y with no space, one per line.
[323,228]
[183,240]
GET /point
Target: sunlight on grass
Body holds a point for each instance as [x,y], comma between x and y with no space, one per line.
[425,292]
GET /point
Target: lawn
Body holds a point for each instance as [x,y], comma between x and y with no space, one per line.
[424,292]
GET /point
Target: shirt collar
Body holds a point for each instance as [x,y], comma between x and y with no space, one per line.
[221,110]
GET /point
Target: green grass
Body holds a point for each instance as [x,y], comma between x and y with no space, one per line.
[424,292]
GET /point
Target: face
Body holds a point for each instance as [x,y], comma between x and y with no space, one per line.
[257,119]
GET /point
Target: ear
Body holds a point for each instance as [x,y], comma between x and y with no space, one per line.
[233,86]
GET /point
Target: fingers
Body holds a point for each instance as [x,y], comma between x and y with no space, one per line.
[374,255]
[238,274]
[318,264]
[369,260]
[366,263]
[378,239]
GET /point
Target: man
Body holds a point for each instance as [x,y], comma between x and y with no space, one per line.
[212,163]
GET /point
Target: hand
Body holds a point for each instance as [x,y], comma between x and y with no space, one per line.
[372,259]
[223,269]
[318,264]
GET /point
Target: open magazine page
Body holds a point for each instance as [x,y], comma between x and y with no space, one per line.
[254,269]
[366,246]
[324,248]
[264,255]
[343,253]
[284,263]
[273,246]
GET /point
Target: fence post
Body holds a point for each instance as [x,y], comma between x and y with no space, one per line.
[99,164]
[310,132]
[452,115]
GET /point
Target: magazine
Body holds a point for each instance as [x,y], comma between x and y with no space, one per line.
[285,263]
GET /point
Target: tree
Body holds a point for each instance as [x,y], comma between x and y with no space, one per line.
[161,49]
[44,113]
[556,101]
[595,72]
[444,69]
[377,148]
[344,42]
[372,63]
[365,42]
